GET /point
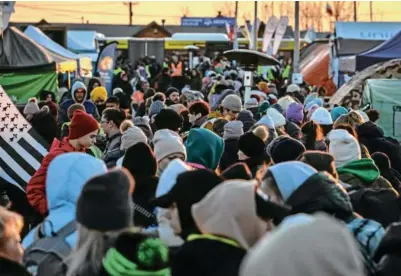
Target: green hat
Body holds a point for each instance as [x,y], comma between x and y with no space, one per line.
[263,107]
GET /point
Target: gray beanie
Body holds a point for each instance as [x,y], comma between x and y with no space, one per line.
[233,130]
[155,108]
[132,136]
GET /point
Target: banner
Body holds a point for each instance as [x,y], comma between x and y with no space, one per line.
[271,26]
[280,31]
[230,31]
[6,9]
[207,21]
[105,65]
[249,31]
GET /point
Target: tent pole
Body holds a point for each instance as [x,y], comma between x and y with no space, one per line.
[69,80]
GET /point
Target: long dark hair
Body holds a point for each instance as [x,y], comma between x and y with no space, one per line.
[311,132]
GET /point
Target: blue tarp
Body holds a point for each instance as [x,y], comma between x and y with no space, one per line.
[81,41]
[390,49]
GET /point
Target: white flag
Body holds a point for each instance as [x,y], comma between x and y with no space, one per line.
[6,9]
[271,26]
[280,31]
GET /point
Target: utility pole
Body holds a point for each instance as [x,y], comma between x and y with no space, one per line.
[130,13]
[371,10]
[296,39]
[355,12]
[236,27]
[254,29]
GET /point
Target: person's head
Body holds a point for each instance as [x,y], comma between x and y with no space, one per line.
[344,147]
[284,149]
[321,161]
[159,96]
[337,112]
[99,95]
[353,118]
[295,113]
[311,133]
[145,86]
[194,72]
[104,209]
[348,128]
[131,135]
[74,107]
[198,110]
[78,92]
[231,106]
[168,119]
[373,114]
[31,108]
[322,117]
[250,145]
[174,58]
[10,240]
[150,92]
[111,120]
[83,130]
[140,161]
[155,108]
[113,102]
[173,95]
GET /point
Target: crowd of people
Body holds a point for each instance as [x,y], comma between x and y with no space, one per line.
[187,176]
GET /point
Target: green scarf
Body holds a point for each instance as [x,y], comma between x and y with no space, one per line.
[364,169]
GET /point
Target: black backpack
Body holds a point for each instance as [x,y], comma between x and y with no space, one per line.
[46,255]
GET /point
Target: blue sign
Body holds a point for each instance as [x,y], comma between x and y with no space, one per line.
[207,21]
[105,65]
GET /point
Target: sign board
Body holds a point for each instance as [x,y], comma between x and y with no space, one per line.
[181,44]
[297,78]
[207,21]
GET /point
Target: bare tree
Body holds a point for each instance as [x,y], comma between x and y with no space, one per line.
[185,11]
[311,15]
[342,10]
[268,10]
[227,9]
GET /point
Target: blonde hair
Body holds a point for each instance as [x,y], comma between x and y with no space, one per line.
[10,223]
[126,125]
[353,118]
[261,132]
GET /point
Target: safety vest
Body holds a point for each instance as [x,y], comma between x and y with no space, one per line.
[177,69]
[270,75]
[165,65]
[147,71]
[286,72]
[214,238]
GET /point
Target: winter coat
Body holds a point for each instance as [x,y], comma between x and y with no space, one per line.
[388,255]
[293,130]
[113,150]
[373,138]
[255,163]
[206,256]
[230,154]
[145,189]
[45,125]
[64,182]
[362,173]
[63,107]
[11,268]
[36,188]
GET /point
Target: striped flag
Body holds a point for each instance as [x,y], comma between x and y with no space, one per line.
[230,31]
[21,148]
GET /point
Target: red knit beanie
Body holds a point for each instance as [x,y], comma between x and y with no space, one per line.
[82,124]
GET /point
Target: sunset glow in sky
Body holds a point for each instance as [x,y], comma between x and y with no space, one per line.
[171,11]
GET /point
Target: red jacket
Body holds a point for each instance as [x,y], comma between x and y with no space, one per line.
[36,189]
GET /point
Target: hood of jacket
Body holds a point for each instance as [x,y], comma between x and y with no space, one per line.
[66,176]
[332,251]
[204,148]
[238,222]
[364,169]
[77,85]
[370,130]
[169,176]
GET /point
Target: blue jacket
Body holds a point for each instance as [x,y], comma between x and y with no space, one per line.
[66,177]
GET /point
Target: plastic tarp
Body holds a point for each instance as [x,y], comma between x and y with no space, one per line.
[385,96]
[81,41]
[390,49]
[314,66]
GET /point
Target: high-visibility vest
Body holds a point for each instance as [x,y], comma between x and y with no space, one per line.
[177,69]
[286,72]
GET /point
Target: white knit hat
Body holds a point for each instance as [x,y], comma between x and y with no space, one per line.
[277,118]
[167,142]
[322,116]
[292,88]
[31,108]
[132,136]
[251,103]
[233,129]
[285,102]
[363,115]
[344,147]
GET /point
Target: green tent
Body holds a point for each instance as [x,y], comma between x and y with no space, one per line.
[26,68]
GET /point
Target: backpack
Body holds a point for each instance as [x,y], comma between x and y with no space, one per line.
[46,255]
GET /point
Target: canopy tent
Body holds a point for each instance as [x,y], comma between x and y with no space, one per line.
[350,94]
[314,66]
[66,60]
[26,68]
[390,49]
[83,43]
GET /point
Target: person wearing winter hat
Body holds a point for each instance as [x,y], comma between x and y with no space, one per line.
[45,124]
[198,113]
[83,131]
[322,117]
[383,163]
[264,87]
[78,95]
[30,109]
[143,124]
[218,126]
[172,95]
[364,151]
[352,118]
[285,149]
[321,161]
[337,112]
[295,113]
[204,148]
[277,118]
[136,254]
[231,106]
[310,111]
[365,117]
[168,119]
[167,147]
[312,136]
[251,103]
[332,250]
[177,107]
[310,97]
[351,168]
[285,102]
[155,108]
[140,161]
[131,136]
[66,177]
[110,123]
[98,97]
[159,97]
[232,131]
[251,149]
[225,235]
[104,208]
[247,119]
[237,171]
[262,109]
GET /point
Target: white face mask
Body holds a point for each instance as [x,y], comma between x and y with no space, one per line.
[193,118]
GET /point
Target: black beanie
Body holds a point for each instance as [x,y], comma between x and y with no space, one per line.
[105,203]
[168,119]
[170,91]
[237,171]
[140,161]
[286,149]
[251,145]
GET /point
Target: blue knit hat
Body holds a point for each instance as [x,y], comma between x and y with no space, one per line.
[155,108]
